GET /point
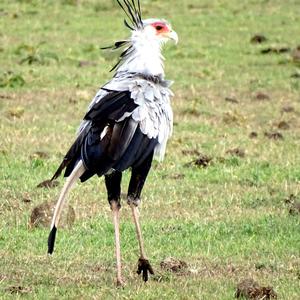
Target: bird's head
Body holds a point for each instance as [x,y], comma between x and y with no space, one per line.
[159,30]
[142,51]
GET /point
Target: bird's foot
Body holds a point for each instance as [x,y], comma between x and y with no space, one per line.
[144,267]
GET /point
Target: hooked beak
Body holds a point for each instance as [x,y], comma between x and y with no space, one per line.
[172,35]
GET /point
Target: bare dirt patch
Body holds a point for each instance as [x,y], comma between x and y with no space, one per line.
[203,161]
[250,289]
[174,265]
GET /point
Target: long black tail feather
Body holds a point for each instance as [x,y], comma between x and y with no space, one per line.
[51,240]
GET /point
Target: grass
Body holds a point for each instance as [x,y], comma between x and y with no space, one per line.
[227,221]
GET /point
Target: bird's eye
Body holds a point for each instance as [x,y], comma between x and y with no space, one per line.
[158,27]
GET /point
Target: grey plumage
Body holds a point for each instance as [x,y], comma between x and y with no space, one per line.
[153,113]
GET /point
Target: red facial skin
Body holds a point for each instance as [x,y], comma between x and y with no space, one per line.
[160,27]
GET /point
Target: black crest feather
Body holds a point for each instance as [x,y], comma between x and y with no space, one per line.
[132,10]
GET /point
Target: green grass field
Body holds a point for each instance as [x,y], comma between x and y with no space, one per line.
[228,221]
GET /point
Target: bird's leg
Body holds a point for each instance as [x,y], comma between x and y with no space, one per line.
[76,173]
[113,186]
[138,178]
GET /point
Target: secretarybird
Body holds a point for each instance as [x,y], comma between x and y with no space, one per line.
[127,124]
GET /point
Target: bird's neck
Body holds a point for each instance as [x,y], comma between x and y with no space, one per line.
[145,57]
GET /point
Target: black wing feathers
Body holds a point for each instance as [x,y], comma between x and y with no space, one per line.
[89,146]
[111,107]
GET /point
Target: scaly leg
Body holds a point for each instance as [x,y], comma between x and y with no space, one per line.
[138,178]
[116,219]
[143,263]
[113,186]
[76,173]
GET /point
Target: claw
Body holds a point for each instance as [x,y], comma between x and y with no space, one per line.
[143,267]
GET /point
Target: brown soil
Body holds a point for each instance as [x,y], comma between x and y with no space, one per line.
[174,265]
[203,161]
[250,289]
